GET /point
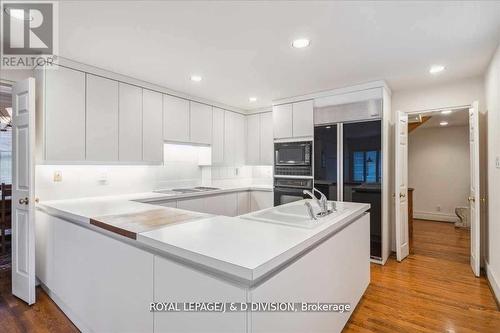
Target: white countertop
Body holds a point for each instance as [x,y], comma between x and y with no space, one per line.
[238,248]
[81,210]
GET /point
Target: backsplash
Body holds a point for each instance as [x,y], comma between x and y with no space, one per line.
[78,181]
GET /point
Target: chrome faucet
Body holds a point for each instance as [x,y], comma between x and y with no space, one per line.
[322,201]
[310,210]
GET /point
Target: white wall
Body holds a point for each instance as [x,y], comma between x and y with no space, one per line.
[438,170]
[492,250]
[456,93]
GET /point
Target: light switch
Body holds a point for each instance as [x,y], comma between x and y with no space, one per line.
[57,176]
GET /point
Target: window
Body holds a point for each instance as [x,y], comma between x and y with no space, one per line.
[366,166]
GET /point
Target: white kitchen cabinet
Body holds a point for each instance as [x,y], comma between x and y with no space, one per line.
[200,123]
[266,139]
[217,136]
[195,205]
[234,138]
[62,103]
[261,200]
[170,204]
[260,139]
[239,136]
[175,119]
[283,121]
[130,123]
[152,126]
[243,199]
[303,118]
[222,204]
[102,119]
[293,120]
[253,139]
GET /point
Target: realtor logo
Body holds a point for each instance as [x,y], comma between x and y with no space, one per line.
[29,32]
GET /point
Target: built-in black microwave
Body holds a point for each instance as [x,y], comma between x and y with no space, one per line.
[292,153]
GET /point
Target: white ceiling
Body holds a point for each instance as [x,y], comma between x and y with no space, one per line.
[242,49]
[456,118]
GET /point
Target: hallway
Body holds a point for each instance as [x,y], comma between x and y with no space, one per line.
[433,290]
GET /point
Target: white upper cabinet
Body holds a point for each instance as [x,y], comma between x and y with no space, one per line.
[217,136]
[200,123]
[253,139]
[102,119]
[175,119]
[293,120]
[266,139]
[239,137]
[130,123]
[234,138]
[283,121]
[64,111]
[303,118]
[152,126]
[260,139]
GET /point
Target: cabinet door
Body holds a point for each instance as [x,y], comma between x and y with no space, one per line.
[152,126]
[64,115]
[130,123]
[239,137]
[261,200]
[217,136]
[222,204]
[195,205]
[253,139]
[282,121]
[175,119]
[229,144]
[266,139]
[303,119]
[243,202]
[200,123]
[102,119]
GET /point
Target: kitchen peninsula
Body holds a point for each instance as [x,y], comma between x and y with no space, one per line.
[105,278]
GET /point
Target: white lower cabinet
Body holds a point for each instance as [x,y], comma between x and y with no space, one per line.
[174,282]
[261,200]
[102,284]
[243,202]
[195,205]
[224,204]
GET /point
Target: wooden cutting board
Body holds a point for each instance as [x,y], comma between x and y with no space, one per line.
[129,225]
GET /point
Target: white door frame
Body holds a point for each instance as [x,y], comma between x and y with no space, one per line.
[460,107]
[23,196]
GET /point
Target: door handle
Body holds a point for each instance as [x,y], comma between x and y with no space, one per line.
[24,201]
[402,195]
[471,199]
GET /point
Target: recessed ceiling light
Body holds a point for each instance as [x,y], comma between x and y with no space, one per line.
[195,78]
[443,123]
[446,112]
[435,69]
[300,43]
[252,99]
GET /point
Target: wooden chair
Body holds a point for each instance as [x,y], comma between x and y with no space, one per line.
[5,212]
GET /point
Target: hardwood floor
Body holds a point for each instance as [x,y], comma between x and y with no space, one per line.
[16,316]
[433,290]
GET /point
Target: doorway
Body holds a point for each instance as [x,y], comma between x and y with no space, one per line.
[437,175]
[5,176]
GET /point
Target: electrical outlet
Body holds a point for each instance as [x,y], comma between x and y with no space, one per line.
[57,176]
[438,208]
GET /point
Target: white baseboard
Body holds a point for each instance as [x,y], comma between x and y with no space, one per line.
[494,283]
[435,216]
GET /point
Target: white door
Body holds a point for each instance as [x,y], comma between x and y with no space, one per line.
[23,229]
[401,186]
[474,201]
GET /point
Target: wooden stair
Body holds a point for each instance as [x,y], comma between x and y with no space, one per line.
[414,126]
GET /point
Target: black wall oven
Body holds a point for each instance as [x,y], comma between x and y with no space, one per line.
[290,189]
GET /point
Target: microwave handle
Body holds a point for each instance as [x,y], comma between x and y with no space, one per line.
[276,157]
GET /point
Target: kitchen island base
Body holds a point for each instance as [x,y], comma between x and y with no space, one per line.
[105,283]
